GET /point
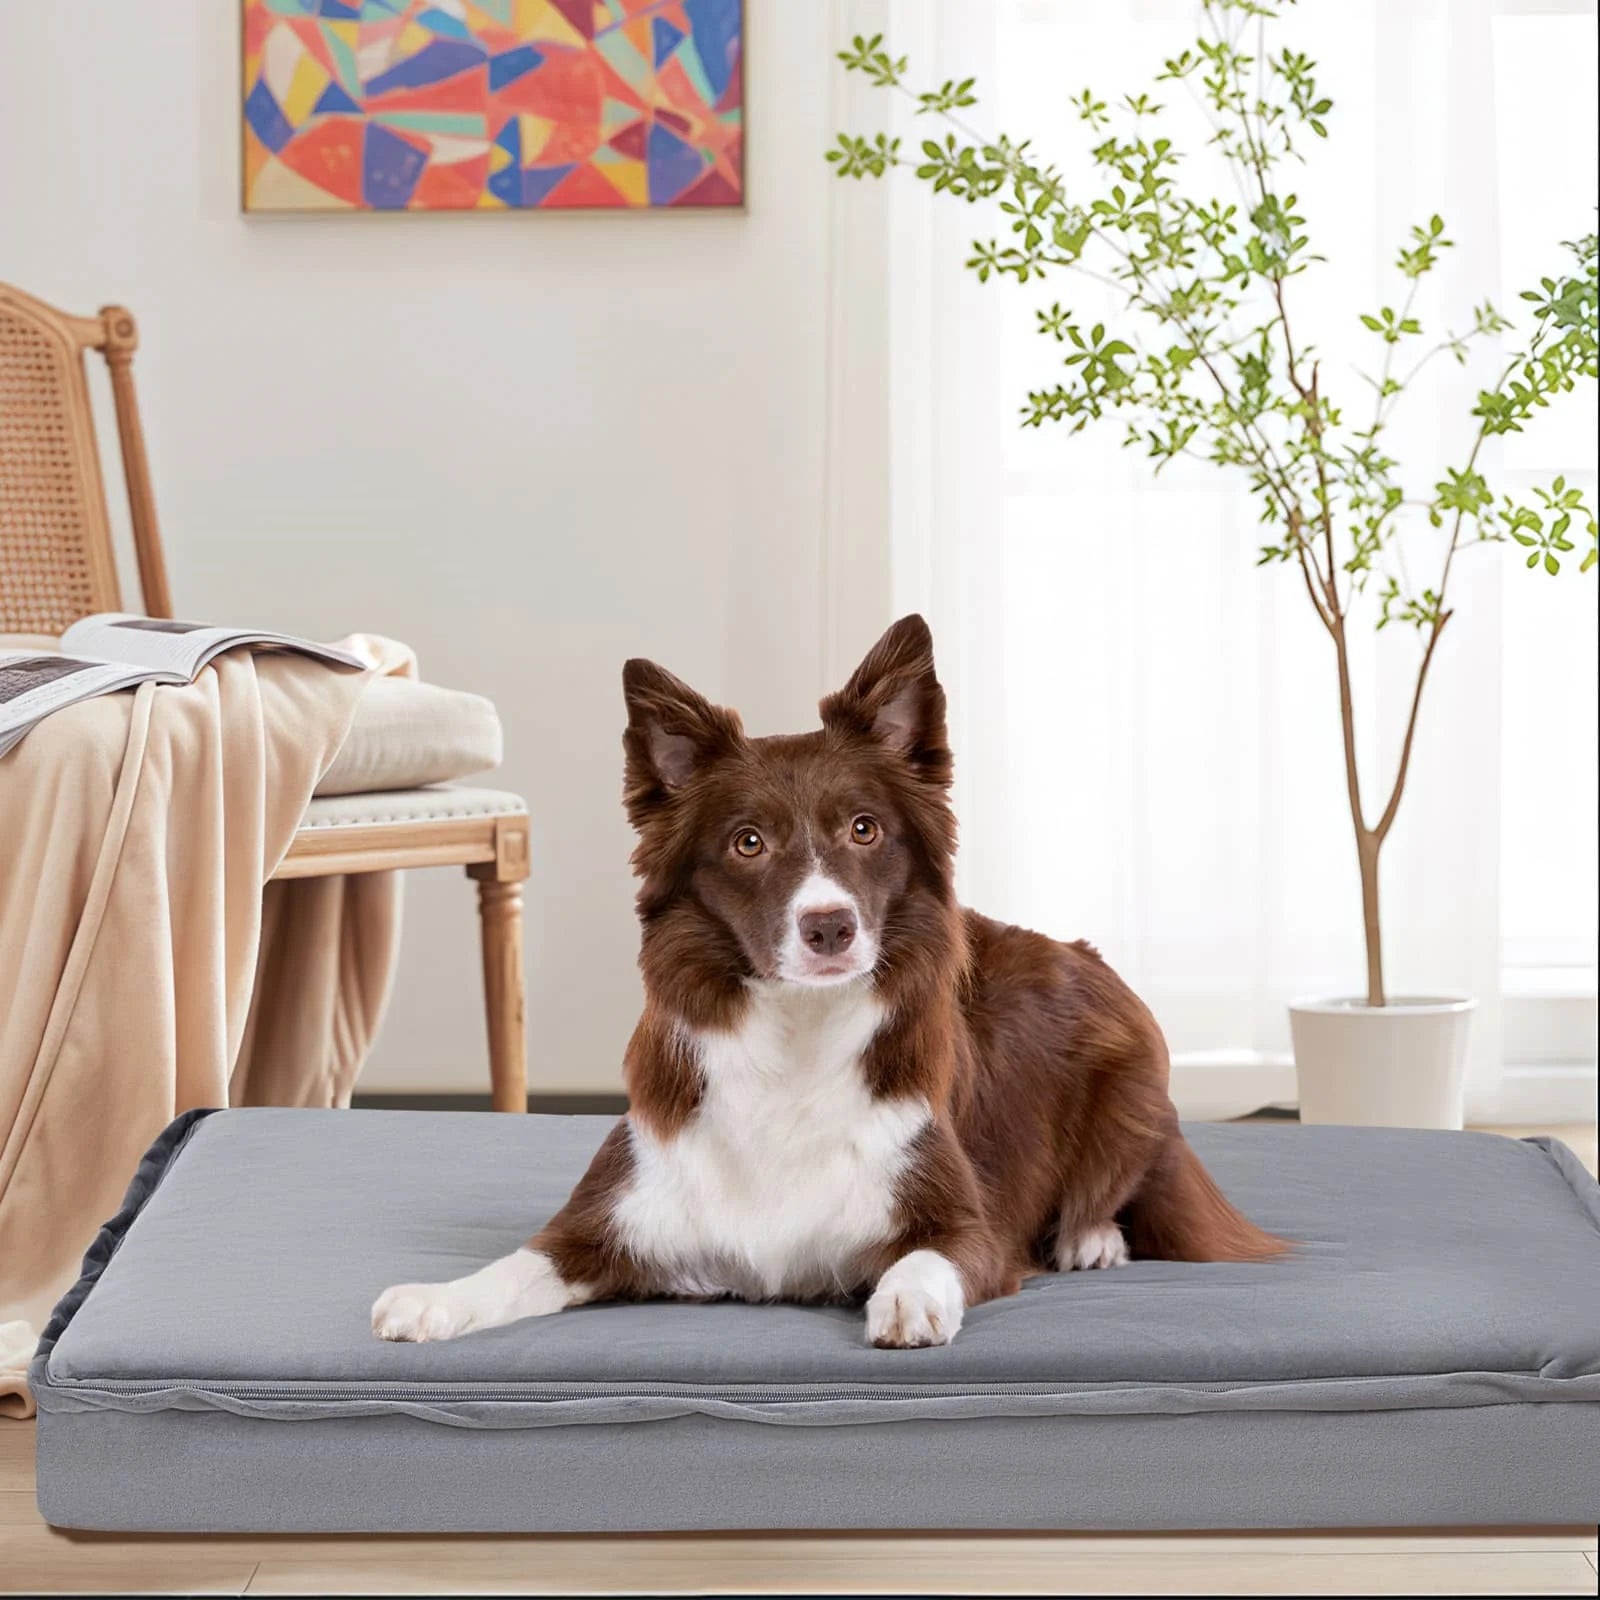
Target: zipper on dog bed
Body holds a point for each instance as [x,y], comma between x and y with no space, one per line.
[754,1394]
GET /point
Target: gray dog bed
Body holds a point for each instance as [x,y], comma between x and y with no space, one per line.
[1430,1355]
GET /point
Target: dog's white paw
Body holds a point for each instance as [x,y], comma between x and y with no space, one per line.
[421,1312]
[918,1302]
[1101,1245]
[522,1284]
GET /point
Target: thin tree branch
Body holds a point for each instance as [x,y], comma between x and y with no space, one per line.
[1386,821]
[1307,567]
[1352,773]
[1441,616]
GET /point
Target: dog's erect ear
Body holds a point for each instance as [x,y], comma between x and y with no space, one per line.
[672,731]
[895,696]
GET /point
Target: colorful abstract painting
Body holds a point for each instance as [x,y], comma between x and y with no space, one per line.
[458,105]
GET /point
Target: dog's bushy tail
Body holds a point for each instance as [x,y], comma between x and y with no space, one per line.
[1179,1214]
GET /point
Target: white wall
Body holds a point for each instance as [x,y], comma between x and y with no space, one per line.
[529,446]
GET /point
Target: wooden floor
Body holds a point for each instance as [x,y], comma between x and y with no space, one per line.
[35,1558]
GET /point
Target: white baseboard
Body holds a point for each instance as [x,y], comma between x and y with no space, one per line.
[1214,1085]
[1211,1086]
[1551,1092]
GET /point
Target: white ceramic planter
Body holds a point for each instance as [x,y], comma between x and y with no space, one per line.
[1399,1066]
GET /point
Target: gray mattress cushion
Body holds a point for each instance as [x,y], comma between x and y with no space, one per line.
[1434,1269]
[1428,1355]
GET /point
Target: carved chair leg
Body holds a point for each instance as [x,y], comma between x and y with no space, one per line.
[500,912]
[500,906]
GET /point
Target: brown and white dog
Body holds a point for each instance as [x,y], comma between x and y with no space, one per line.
[844,1085]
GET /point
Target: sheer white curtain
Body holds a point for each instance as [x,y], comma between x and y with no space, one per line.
[1147,724]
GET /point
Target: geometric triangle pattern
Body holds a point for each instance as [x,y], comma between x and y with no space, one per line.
[470,105]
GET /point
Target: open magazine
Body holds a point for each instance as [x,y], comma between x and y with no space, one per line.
[113,650]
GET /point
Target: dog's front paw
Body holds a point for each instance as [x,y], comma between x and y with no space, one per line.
[918,1302]
[417,1313]
[522,1284]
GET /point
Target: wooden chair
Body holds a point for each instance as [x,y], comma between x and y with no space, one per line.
[57,565]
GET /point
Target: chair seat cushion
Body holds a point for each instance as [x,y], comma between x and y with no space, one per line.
[1430,1355]
[438,804]
[406,734]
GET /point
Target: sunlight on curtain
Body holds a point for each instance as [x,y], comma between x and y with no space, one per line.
[1147,725]
[1549,867]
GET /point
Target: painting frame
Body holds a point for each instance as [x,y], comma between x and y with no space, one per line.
[739,76]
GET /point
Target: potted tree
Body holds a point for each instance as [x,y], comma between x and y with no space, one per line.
[1207,362]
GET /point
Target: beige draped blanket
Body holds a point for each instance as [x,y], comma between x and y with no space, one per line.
[143,970]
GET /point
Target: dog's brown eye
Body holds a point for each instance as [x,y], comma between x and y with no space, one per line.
[747,842]
[864,830]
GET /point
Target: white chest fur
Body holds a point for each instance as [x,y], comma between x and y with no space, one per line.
[787,1170]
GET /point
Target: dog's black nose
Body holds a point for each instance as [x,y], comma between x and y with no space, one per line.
[828,932]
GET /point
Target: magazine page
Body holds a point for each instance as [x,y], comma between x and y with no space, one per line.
[179,648]
[34,685]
